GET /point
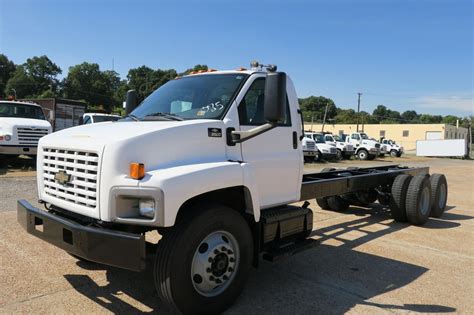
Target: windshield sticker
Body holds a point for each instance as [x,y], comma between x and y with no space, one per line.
[200,113]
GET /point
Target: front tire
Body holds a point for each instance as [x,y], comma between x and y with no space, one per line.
[363,154]
[394,153]
[202,263]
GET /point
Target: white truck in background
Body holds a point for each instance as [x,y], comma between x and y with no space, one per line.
[344,150]
[93,118]
[310,150]
[328,151]
[22,124]
[221,200]
[365,148]
[392,148]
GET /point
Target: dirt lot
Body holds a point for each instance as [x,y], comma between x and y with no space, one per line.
[366,263]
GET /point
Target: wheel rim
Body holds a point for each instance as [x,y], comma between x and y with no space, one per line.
[339,155]
[362,155]
[442,196]
[215,263]
[425,201]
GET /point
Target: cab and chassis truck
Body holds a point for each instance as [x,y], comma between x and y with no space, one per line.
[218,210]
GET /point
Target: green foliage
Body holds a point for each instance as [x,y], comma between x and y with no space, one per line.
[22,83]
[7,68]
[86,81]
[313,107]
[146,80]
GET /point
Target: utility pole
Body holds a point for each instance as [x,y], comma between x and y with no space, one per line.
[312,121]
[324,119]
[358,110]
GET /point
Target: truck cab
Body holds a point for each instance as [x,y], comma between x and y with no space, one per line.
[365,148]
[328,151]
[392,148]
[22,125]
[344,150]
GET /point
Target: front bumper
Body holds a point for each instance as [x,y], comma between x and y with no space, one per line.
[17,150]
[309,153]
[108,247]
[329,156]
[348,153]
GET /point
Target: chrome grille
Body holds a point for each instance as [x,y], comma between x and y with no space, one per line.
[310,146]
[81,166]
[333,150]
[30,136]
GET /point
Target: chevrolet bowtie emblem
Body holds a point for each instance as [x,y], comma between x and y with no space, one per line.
[62,177]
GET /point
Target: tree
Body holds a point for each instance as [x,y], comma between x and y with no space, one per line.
[146,80]
[7,68]
[346,116]
[195,69]
[380,112]
[450,119]
[314,107]
[86,82]
[430,119]
[23,84]
[409,116]
[44,73]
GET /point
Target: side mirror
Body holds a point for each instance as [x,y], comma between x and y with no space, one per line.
[131,102]
[275,97]
[81,120]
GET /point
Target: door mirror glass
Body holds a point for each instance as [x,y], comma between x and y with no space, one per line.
[275,97]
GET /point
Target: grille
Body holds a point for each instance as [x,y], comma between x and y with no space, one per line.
[81,166]
[333,150]
[310,145]
[349,147]
[30,136]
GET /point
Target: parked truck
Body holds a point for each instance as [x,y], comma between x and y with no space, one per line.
[22,124]
[328,151]
[365,148]
[392,148]
[213,162]
[310,150]
[344,150]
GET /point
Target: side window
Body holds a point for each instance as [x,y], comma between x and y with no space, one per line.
[87,120]
[251,111]
[355,136]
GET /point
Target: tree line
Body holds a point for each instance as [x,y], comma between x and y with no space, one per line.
[38,77]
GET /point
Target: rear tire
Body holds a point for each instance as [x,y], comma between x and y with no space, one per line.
[439,194]
[418,201]
[399,195]
[337,203]
[323,203]
[362,154]
[202,262]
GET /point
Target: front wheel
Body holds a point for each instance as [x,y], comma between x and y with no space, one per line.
[394,153]
[363,154]
[202,263]
[339,155]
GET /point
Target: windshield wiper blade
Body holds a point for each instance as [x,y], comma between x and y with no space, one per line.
[165,115]
[133,117]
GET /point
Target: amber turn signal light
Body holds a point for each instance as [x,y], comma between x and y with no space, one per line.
[137,170]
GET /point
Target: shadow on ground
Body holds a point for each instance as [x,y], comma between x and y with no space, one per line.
[16,164]
[327,279]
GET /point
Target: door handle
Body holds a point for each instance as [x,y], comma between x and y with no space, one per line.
[295,140]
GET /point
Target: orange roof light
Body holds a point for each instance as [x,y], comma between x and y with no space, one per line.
[137,170]
[201,71]
[241,69]
[211,70]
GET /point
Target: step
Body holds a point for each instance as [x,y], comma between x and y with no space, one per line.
[289,250]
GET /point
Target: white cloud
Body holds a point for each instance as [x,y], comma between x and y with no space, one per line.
[459,102]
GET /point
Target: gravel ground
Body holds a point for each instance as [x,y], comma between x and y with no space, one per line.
[366,263]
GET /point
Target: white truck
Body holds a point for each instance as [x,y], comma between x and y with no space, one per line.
[92,118]
[328,151]
[344,150]
[310,150]
[392,148]
[22,124]
[365,148]
[198,162]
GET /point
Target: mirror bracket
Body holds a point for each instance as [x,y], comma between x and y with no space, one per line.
[241,136]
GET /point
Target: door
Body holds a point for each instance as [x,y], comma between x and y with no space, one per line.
[275,155]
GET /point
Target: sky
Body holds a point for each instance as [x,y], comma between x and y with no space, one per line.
[405,54]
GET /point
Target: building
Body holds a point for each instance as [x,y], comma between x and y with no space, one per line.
[61,113]
[404,134]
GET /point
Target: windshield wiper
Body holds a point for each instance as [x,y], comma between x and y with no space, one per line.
[165,115]
[133,117]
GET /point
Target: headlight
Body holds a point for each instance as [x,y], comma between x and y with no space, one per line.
[147,208]
[325,151]
[6,137]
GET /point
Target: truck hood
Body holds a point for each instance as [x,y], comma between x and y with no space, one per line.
[8,123]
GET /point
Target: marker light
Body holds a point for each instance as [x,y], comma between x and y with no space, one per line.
[137,170]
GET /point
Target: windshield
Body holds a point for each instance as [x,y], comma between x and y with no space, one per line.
[329,138]
[192,97]
[364,136]
[337,138]
[21,111]
[319,138]
[98,119]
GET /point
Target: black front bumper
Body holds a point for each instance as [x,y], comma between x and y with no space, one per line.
[109,247]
